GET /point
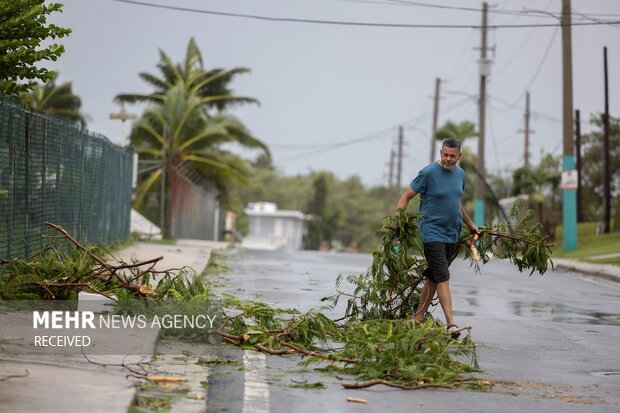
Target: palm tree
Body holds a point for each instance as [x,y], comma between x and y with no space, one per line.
[543,177]
[540,182]
[55,99]
[194,78]
[188,104]
[178,130]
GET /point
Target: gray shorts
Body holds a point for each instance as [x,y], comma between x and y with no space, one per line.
[439,256]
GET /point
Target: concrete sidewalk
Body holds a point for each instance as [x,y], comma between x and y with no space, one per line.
[602,271]
[70,383]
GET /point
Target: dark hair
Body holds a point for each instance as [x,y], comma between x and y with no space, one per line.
[451,143]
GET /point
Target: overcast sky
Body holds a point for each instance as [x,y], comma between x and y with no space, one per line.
[323,85]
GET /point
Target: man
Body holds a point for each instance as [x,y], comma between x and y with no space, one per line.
[440,185]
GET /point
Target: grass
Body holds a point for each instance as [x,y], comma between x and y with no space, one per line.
[612,261]
[589,244]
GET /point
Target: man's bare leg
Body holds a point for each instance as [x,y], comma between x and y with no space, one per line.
[445,299]
[426,297]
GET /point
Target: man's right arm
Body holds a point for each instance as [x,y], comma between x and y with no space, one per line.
[404,199]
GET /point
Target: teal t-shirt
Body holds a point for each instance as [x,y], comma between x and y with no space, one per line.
[440,203]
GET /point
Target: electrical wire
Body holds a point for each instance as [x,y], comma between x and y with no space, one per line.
[375,135]
[536,73]
[496,10]
[351,23]
[462,56]
[521,46]
[492,129]
[542,62]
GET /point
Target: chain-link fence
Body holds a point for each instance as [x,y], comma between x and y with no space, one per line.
[51,170]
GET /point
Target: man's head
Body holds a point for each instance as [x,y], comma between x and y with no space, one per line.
[450,153]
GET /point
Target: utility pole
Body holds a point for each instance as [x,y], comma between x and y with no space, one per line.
[392,192]
[123,115]
[391,174]
[399,169]
[484,72]
[607,174]
[578,158]
[435,119]
[569,195]
[527,129]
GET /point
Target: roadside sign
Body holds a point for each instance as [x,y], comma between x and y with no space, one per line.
[569,179]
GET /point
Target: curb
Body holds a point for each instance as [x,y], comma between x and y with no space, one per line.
[604,271]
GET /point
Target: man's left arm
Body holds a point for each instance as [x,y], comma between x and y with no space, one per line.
[468,221]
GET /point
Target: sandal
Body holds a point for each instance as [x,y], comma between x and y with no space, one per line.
[453,330]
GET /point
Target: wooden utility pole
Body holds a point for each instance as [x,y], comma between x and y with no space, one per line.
[391,174]
[578,163]
[391,193]
[526,156]
[435,119]
[484,72]
[399,169]
[123,115]
[569,195]
[607,174]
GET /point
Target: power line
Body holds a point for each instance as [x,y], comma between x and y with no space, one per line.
[445,7]
[523,13]
[372,136]
[511,106]
[375,135]
[521,46]
[464,50]
[542,62]
[514,104]
[350,23]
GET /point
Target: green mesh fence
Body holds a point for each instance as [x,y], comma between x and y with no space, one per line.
[51,170]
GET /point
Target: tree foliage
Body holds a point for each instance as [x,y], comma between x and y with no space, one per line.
[213,85]
[185,123]
[389,289]
[23,27]
[592,166]
[324,221]
[390,351]
[375,340]
[55,99]
[351,211]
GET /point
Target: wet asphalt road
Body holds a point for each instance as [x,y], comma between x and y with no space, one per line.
[552,339]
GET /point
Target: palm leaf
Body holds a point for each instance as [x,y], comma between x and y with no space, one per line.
[192,56]
[137,98]
[221,74]
[226,169]
[155,81]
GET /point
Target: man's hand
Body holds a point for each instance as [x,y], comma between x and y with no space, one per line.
[471,242]
[476,231]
